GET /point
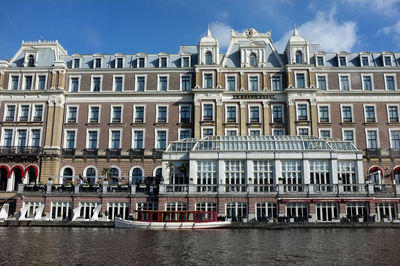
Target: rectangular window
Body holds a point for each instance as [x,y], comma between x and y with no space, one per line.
[231,114]
[116,114]
[24,114]
[70,140]
[163,62]
[141,62]
[119,62]
[393,114]
[74,85]
[277,114]
[138,139]
[255,132]
[118,83]
[235,176]
[185,83]
[320,61]
[184,134]
[263,176]
[10,116]
[292,175]
[76,62]
[163,83]
[367,83]
[185,114]
[96,84]
[208,81]
[35,138]
[321,82]
[206,176]
[72,114]
[21,137]
[302,112]
[139,114]
[278,132]
[38,115]
[208,132]
[342,61]
[372,139]
[185,61]
[115,139]
[344,83]
[98,63]
[389,82]
[93,136]
[320,174]
[370,114]
[348,135]
[14,83]
[28,83]
[161,114]
[140,83]
[323,114]
[347,116]
[324,133]
[395,139]
[230,83]
[161,139]
[253,86]
[276,83]
[41,82]
[94,114]
[300,80]
[208,112]
[8,135]
[364,60]
[303,132]
[231,132]
[387,61]
[254,114]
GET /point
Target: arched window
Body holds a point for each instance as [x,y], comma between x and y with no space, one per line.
[137,175]
[396,175]
[253,60]
[67,174]
[375,175]
[31,61]
[209,58]
[114,174]
[299,57]
[90,175]
[158,175]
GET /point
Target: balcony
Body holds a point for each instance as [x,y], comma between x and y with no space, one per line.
[20,151]
[37,119]
[23,118]
[373,153]
[157,153]
[136,154]
[68,152]
[113,152]
[9,118]
[90,152]
[394,153]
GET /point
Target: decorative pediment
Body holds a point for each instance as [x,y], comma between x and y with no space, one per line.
[252,44]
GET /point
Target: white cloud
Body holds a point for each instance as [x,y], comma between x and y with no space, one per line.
[384,7]
[222,32]
[394,29]
[325,30]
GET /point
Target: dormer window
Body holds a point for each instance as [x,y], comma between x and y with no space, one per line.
[364,61]
[320,61]
[119,62]
[163,62]
[342,61]
[141,62]
[209,58]
[299,57]
[387,60]
[31,60]
[76,63]
[97,63]
[185,61]
[253,60]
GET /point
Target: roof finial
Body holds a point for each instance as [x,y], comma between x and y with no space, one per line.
[208,31]
[295,32]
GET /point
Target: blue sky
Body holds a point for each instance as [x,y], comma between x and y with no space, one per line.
[86,26]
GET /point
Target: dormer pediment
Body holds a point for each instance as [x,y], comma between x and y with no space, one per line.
[253,44]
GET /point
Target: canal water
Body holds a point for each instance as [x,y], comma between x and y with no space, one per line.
[105,246]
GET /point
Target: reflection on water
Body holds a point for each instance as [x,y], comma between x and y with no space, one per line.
[101,246]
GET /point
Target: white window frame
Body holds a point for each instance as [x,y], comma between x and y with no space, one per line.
[187,56]
[213,110]
[12,135]
[79,82]
[307,109]
[394,81]
[231,129]
[166,137]
[183,129]
[77,113]
[272,113]
[110,138]
[123,82]
[112,112]
[145,82]
[375,113]
[92,82]
[349,129]
[162,105]
[6,111]
[24,81]
[280,81]
[303,127]
[326,80]
[116,61]
[249,130]
[16,135]
[180,81]
[384,61]
[352,113]
[260,112]
[160,59]
[377,137]
[37,81]
[26,59]
[372,81]
[316,60]
[236,112]
[340,82]
[34,110]
[329,112]
[134,112]
[258,81]
[338,60]
[190,112]
[10,81]
[390,135]
[133,137]
[325,129]
[158,81]
[90,112]
[305,78]
[361,60]
[73,62]
[29,110]
[65,136]
[388,114]
[212,79]
[276,129]
[202,130]
[95,59]
[144,61]
[235,76]
[87,138]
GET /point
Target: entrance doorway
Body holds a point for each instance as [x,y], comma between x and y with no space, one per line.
[17,177]
[32,175]
[3,179]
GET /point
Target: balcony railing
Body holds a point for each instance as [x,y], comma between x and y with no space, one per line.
[94,120]
[157,153]
[177,188]
[23,119]
[206,188]
[266,188]
[37,118]
[113,152]
[324,120]
[20,150]
[68,152]
[278,120]
[90,152]
[394,153]
[9,118]
[394,119]
[139,120]
[302,118]
[71,120]
[255,120]
[207,118]
[317,189]
[373,153]
[161,120]
[136,153]
[347,120]
[185,120]
[116,120]
[371,120]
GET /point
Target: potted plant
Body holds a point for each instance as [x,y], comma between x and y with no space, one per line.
[50,180]
[280,180]
[360,218]
[250,180]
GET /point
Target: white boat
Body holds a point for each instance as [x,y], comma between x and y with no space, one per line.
[159,220]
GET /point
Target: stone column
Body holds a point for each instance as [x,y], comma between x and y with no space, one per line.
[219,79]
[53,80]
[197,118]
[1,80]
[266,119]
[314,118]
[61,79]
[218,121]
[197,79]
[311,78]
[291,118]
[242,81]
[265,81]
[289,78]
[243,119]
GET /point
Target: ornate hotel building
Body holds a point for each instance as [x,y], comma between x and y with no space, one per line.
[64,116]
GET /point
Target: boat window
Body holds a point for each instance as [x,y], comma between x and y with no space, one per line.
[166,216]
[190,216]
[182,217]
[154,217]
[211,216]
[174,216]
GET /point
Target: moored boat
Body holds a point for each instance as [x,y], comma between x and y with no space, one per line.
[172,220]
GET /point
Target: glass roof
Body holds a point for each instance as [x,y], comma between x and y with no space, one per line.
[261,143]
